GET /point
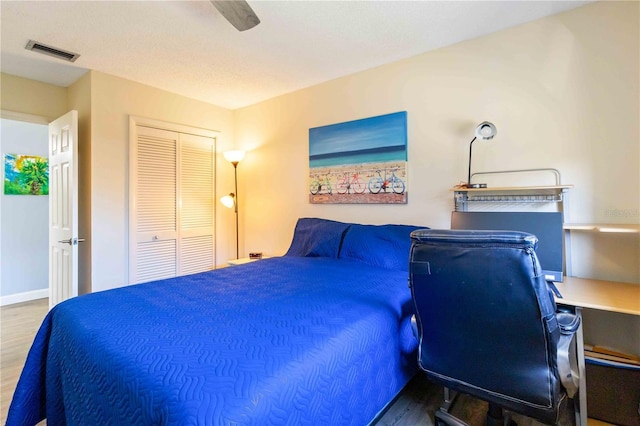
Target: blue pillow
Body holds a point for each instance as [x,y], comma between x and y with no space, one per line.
[315,237]
[386,246]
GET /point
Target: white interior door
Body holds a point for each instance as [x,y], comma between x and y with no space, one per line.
[196,201]
[153,232]
[63,208]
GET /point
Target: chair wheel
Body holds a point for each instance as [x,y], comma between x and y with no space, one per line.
[439,421]
[494,422]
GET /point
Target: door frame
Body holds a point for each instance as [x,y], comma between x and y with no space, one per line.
[27,118]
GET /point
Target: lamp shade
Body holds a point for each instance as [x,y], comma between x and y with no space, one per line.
[233,156]
[228,200]
[486,130]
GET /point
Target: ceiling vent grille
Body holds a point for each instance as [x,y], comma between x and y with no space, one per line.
[51,51]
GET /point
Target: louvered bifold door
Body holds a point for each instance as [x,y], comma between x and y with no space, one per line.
[196,241]
[154,186]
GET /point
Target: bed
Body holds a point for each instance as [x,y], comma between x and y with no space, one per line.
[321,335]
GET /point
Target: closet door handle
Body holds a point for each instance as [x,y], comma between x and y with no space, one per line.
[72,241]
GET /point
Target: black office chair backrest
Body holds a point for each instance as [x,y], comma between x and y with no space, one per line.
[486,319]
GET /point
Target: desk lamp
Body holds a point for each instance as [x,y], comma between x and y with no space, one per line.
[231,200]
[484,131]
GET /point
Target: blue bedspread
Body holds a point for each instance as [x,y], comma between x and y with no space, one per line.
[291,340]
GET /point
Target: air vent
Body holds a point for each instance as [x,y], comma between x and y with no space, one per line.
[51,51]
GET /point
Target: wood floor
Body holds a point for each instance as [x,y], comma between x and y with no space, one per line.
[18,326]
[414,406]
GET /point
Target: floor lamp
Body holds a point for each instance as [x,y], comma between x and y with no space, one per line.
[231,200]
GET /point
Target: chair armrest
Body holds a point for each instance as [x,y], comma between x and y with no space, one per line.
[567,356]
[568,322]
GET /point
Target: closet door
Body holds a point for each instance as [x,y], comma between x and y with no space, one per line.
[154,196]
[196,246]
[171,204]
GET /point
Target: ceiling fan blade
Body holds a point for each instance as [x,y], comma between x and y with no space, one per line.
[238,13]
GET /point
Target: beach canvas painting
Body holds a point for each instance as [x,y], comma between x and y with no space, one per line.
[362,161]
[26,175]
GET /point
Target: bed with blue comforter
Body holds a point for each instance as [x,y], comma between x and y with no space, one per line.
[320,336]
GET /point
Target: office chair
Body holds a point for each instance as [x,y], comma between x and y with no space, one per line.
[488,326]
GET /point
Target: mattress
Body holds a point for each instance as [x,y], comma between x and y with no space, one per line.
[281,341]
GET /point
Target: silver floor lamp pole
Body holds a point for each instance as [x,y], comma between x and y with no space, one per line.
[235,204]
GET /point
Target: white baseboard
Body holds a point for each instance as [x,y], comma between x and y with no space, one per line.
[24,297]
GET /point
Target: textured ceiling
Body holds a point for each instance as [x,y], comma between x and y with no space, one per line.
[187,47]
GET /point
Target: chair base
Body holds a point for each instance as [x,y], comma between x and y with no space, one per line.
[443,418]
[495,415]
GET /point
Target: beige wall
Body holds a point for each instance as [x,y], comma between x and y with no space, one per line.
[562,91]
[104,104]
[103,147]
[31,97]
[113,100]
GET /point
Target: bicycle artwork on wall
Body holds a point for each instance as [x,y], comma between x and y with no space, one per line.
[359,162]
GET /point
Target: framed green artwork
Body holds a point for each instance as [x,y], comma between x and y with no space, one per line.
[26,175]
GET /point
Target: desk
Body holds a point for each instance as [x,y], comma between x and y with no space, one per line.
[596,294]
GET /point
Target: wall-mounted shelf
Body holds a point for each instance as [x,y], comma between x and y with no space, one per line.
[617,229]
[604,227]
[515,194]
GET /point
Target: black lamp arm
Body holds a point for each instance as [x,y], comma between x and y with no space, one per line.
[470,148]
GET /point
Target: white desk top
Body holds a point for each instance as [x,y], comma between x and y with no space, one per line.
[597,294]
